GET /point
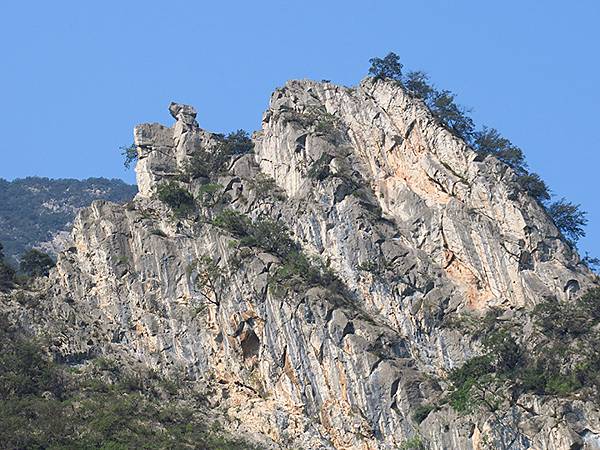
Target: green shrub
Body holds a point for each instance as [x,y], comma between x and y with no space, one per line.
[389,67]
[414,443]
[417,84]
[36,264]
[561,384]
[569,219]
[7,273]
[421,412]
[211,279]
[130,155]
[236,223]
[564,360]
[7,276]
[488,141]
[266,188]
[208,164]
[211,195]
[48,405]
[296,269]
[236,143]
[534,186]
[177,198]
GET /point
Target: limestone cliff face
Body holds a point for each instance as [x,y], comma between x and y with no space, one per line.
[413,222]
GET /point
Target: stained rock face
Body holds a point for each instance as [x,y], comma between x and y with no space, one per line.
[415,225]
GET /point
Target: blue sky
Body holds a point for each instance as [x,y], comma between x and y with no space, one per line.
[77,76]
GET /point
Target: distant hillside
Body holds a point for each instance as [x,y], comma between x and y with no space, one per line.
[34,211]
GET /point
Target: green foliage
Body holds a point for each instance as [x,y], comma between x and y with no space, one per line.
[421,412]
[417,83]
[130,155]
[47,405]
[33,209]
[210,280]
[207,164]
[36,264]
[296,270]
[236,223]
[319,120]
[414,443]
[323,122]
[236,143]
[535,187]
[266,187]
[488,141]
[563,360]
[567,320]
[452,115]
[7,274]
[201,164]
[592,262]
[441,103]
[211,195]
[389,67]
[569,219]
[177,198]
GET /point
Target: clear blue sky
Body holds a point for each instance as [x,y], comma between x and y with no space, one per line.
[77,76]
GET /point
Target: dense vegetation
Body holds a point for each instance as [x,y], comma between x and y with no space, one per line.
[568,217]
[98,406]
[179,199]
[7,273]
[296,270]
[33,209]
[560,357]
[205,164]
[35,263]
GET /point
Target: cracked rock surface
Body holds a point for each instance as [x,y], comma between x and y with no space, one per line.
[415,224]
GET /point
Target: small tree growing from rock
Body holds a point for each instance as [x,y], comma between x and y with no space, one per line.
[177,198]
[7,273]
[388,67]
[35,263]
[130,155]
[569,219]
[211,280]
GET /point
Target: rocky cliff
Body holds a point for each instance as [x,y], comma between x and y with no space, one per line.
[39,212]
[311,287]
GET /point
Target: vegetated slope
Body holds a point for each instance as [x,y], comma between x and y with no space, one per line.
[360,279]
[33,209]
[48,404]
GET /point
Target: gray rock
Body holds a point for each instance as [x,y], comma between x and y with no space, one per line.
[415,227]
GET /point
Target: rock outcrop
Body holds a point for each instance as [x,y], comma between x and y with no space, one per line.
[418,228]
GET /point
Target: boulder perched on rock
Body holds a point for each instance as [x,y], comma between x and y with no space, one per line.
[311,288]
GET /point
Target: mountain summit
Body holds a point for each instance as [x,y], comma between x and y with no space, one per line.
[321,281]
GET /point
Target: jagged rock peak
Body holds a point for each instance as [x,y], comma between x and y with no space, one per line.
[184,113]
[415,232]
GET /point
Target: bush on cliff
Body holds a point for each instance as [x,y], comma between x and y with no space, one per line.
[177,198]
[35,263]
[563,360]
[49,405]
[7,273]
[389,67]
[208,163]
[569,218]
